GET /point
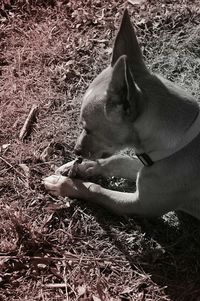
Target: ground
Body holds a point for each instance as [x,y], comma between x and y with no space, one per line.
[57,249]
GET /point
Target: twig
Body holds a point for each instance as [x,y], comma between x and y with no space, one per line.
[55,285]
[68,257]
[99,41]
[19,173]
[27,124]
[65,280]
[134,2]
[74,169]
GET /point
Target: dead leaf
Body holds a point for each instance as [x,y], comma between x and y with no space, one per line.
[96,298]
[4,147]
[81,290]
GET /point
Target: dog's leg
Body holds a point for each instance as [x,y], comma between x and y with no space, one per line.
[118,166]
[141,202]
[118,202]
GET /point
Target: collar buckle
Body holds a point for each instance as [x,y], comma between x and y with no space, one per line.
[145,159]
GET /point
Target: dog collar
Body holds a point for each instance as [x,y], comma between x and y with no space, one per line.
[145,159]
[190,134]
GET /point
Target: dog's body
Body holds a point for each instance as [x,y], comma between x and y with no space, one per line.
[127,106]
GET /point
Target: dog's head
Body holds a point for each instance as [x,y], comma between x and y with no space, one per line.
[113,100]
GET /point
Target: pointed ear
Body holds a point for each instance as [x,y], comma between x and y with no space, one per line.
[122,94]
[126,44]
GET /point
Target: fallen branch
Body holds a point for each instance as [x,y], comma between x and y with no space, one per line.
[28,122]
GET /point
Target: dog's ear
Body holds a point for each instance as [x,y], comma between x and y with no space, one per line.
[126,44]
[123,94]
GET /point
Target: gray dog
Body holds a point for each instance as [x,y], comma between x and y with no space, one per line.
[128,106]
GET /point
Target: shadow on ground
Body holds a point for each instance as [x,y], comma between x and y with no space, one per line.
[167,249]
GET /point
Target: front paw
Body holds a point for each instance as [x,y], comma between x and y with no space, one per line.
[88,169]
[59,185]
[65,169]
[85,169]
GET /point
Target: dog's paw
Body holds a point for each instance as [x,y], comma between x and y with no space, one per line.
[59,185]
[65,169]
[84,170]
[88,169]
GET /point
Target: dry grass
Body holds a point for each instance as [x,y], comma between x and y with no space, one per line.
[55,249]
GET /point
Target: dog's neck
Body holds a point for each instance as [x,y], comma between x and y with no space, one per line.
[164,128]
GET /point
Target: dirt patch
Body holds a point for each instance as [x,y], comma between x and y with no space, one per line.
[55,249]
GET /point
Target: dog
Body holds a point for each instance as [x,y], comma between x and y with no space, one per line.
[126,106]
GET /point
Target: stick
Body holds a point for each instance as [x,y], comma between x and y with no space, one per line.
[5,161]
[55,285]
[134,2]
[68,257]
[28,122]
[73,171]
